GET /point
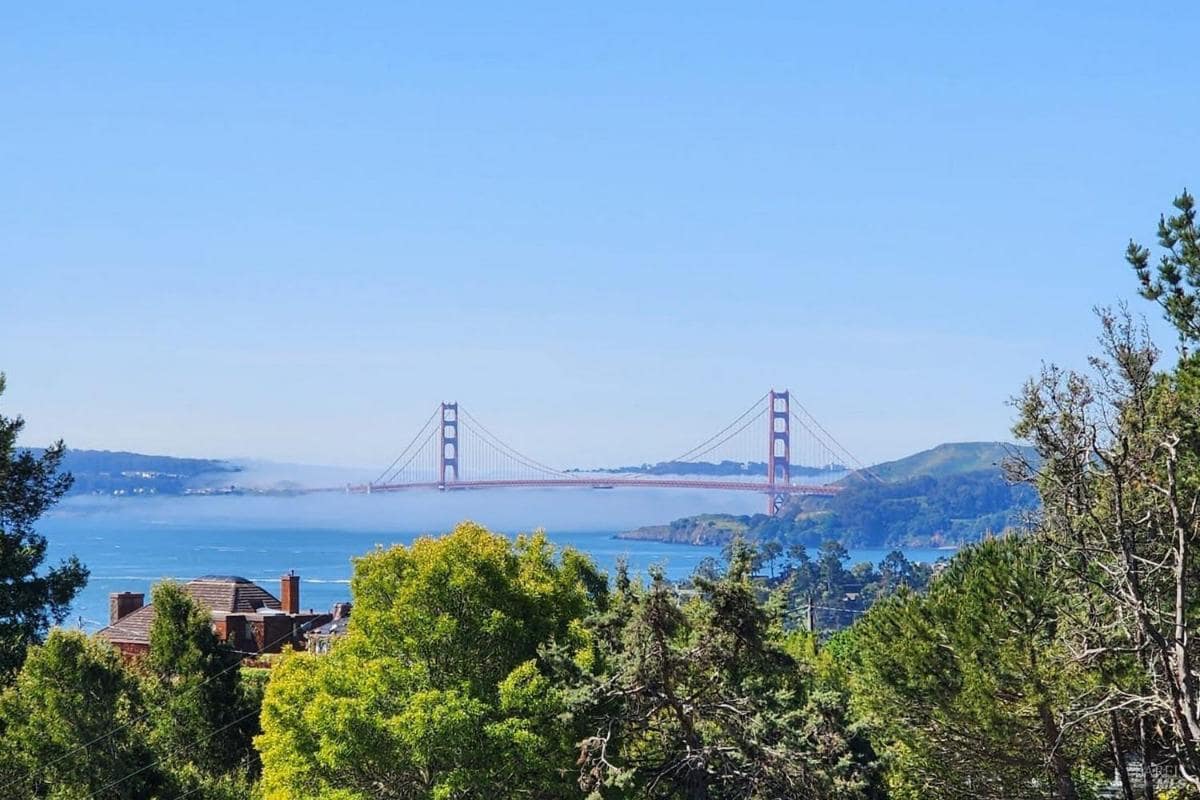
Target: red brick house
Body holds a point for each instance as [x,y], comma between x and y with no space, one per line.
[244,615]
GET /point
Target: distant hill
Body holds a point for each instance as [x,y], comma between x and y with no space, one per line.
[119,473]
[951,494]
[952,458]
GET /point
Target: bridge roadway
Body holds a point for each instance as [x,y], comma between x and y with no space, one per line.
[762,487]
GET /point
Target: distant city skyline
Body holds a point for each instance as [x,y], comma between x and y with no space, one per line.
[286,233]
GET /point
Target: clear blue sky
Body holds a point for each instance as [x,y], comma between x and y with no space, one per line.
[287,230]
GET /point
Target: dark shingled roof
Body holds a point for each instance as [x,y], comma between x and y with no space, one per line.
[133,628]
[228,594]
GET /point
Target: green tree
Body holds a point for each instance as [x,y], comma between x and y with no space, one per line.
[701,699]
[831,570]
[440,688]
[1118,472]
[1174,282]
[68,726]
[895,570]
[771,550]
[201,721]
[970,685]
[31,599]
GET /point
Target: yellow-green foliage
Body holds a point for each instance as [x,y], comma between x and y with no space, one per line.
[436,690]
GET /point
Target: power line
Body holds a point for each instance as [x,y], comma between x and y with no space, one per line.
[137,720]
[158,761]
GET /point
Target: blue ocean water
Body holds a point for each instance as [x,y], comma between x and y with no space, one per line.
[130,544]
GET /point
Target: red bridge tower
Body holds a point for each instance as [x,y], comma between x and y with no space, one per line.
[779,442]
[448,439]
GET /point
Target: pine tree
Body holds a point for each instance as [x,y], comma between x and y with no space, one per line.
[700,698]
[31,598]
[200,718]
[970,685]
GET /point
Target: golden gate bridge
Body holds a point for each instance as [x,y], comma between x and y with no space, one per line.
[782,450]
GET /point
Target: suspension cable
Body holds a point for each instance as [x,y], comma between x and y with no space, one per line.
[406,449]
[499,444]
[837,447]
[756,418]
[411,459]
[691,453]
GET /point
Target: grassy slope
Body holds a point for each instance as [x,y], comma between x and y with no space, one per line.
[952,458]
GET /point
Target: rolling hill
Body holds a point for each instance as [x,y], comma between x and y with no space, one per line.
[951,458]
[947,495]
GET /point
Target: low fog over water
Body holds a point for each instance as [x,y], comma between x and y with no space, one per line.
[508,510]
[130,543]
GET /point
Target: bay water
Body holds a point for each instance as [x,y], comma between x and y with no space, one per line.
[128,544]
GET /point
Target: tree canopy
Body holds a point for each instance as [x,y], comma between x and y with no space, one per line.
[199,715]
[702,698]
[439,689]
[969,683]
[68,725]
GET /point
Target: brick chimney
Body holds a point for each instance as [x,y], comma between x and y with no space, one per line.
[341,611]
[122,604]
[289,592]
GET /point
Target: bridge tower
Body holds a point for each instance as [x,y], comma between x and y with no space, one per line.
[779,443]
[448,441]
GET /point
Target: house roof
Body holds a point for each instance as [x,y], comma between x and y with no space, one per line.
[133,628]
[230,593]
[219,594]
[335,628]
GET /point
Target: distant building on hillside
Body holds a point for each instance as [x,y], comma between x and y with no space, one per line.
[244,615]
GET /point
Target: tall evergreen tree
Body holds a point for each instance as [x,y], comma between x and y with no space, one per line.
[1119,477]
[68,726]
[1174,282]
[970,684]
[200,719]
[701,699]
[31,598]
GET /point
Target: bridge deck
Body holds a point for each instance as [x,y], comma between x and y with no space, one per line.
[762,487]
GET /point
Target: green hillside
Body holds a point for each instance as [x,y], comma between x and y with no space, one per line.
[951,458]
[104,472]
[947,495]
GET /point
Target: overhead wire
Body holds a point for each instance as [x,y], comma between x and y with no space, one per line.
[112,731]
[161,759]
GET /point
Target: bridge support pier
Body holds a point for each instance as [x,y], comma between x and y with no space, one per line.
[779,448]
